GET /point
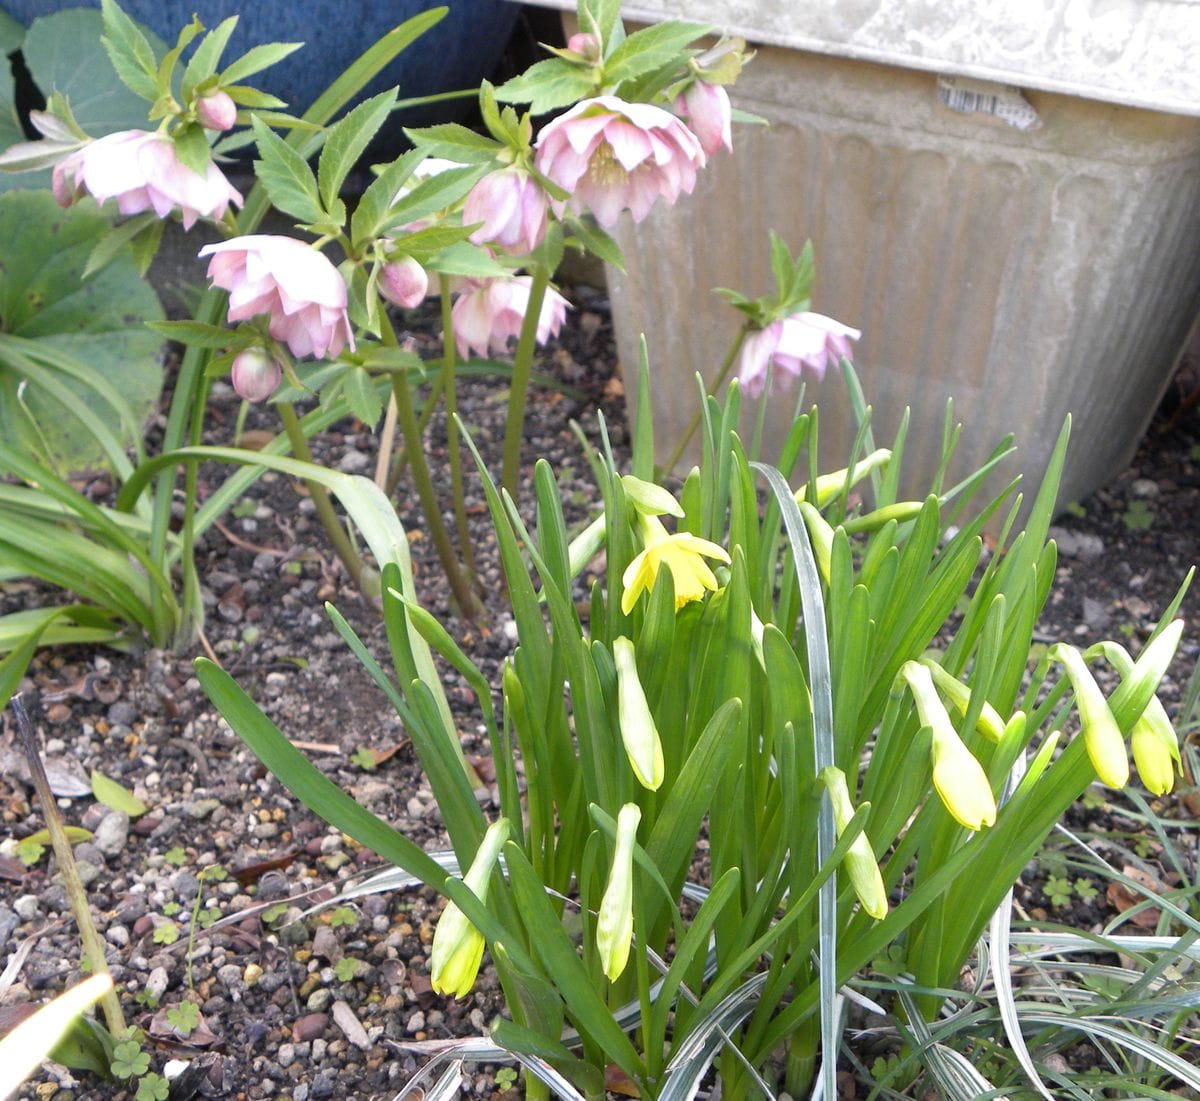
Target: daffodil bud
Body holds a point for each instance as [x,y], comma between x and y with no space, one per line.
[989,724]
[586,545]
[830,485]
[649,499]
[1101,734]
[1154,742]
[860,864]
[821,534]
[638,732]
[958,777]
[614,924]
[457,945]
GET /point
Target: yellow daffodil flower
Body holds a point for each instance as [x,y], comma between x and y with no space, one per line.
[457,945]
[958,777]
[638,732]
[614,924]
[682,553]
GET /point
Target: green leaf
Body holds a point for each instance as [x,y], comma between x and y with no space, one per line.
[64,54]
[548,86]
[11,34]
[454,142]
[193,332]
[347,140]
[257,59]
[285,174]
[362,396]
[191,147]
[130,51]
[371,212]
[597,242]
[203,62]
[97,322]
[650,48]
[113,795]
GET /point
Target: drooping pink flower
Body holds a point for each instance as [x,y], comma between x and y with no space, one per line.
[793,343]
[255,374]
[489,312]
[291,282]
[614,156]
[705,108]
[404,283]
[216,111]
[514,211]
[142,172]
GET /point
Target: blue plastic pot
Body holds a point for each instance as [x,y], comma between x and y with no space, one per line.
[461,50]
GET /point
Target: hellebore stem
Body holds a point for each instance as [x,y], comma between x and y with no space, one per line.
[468,604]
[320,497]
[452,440]
[514,429]
[401,460]
[93,946]
[717,383]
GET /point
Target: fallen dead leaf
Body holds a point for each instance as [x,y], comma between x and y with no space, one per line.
[1122,898]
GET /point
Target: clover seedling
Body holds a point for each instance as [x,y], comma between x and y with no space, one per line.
[129,1060]
[184,1017]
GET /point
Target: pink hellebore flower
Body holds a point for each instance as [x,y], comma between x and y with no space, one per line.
[216,111]
[513,209]
[705,108]
[490,312]
[255,375]
[142,172]
[404,283]
[586,46]
[614,156]
[290,281]
[795,342]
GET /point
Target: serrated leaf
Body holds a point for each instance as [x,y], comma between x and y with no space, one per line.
[203,63]
[597,242]
[372,208]
[285,174]
[469,261]
[548,86]
[116,240]
[113,795]
[246,96]
[648,49]
[434,195]
[362,397]
[191,147]
[454,142]
[193,332]
[129,51]
[346,141]
[257,59]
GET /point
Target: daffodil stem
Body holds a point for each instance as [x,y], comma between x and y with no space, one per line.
[320,498]
[452,442]
[468,604]
[717,383]
[514,429]
[93,946]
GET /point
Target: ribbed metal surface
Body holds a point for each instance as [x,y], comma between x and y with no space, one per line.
[1024,274]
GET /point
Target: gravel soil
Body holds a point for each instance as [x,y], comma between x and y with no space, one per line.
[305,1005]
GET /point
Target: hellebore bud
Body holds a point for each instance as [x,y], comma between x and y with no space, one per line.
[614,924]
[404,283]
[255,375]
[216,111]
[457,945]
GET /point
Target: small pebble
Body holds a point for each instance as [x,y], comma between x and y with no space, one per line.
[309,1027]
[26,907]
[112,833]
